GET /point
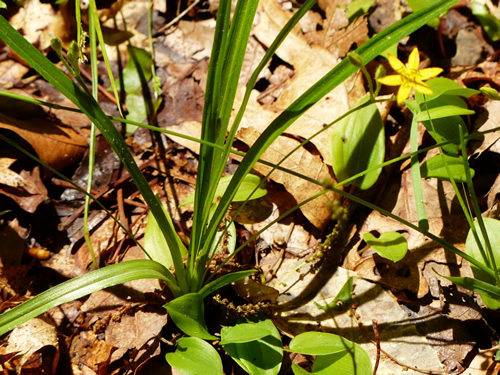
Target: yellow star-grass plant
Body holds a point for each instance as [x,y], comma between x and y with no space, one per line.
[409,76]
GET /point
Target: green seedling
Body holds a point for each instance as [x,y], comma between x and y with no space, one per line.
[343,297]
[390,245]
[358,143]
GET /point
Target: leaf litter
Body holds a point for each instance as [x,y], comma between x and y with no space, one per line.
[412,307]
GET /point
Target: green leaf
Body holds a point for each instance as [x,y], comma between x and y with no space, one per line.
[249,184]
[355,362]
[390,245]
[443,106]
[434,167]
[419,4]
[188,314]
[83,285]
[357,144]
[344,296]
[156,245]
[223,281]
[334,354]
[262,356]
[297,370]
[442,85]
[242,332]
[492,227]
[478,286]
[319,343]
[447,129]
[137,110]
[193,356]
[358,8]
[137,71]
[490,23]
[497,355]
[490,93]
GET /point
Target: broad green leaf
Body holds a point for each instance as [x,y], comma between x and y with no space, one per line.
[493,230]
[188,314]
[344,296]
[354,362]
[297,370]
[193,356]
[471,247]
[442,85]
[443,106]
[358,8]
[137,71]
[390,245]
[156,245]
[419,4]
[434,167]
[357,144]
[242,332]
[262,356]
[490,23]
[136,75]
[137,110]
[334,354]
[250,182]
[223,281]
[447,129]
[319,343]
[83,285]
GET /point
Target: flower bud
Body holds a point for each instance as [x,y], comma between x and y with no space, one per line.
[490,93]
[355,60]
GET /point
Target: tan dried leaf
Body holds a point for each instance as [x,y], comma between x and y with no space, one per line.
[30,337]
[301,161]
[8,176]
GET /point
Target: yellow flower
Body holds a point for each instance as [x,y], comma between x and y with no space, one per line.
[409,76]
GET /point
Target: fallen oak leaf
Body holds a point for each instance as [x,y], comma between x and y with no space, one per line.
[54,144]
[8,176]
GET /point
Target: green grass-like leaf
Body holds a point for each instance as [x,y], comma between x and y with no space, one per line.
[83,285]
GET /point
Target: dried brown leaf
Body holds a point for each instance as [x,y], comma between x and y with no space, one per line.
[30,337]
[301,161]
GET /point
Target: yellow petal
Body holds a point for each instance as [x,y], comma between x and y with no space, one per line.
[428,73]
[404,92]
[393,80]
[422,88]
[414,60]
[395,63]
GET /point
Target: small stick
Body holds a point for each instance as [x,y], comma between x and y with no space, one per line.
[377,341]
[176,19]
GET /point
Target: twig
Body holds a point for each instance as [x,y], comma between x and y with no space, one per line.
[176,19]
[377,341]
